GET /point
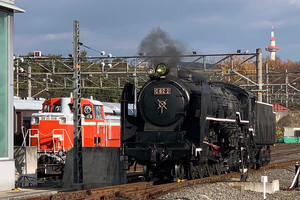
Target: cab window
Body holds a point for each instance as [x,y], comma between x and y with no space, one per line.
[56,108]
[98,112]
[87,112]
[46,108]
[71,107]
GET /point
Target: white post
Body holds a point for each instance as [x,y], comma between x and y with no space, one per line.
[264,179]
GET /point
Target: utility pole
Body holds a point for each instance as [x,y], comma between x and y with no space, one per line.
[29,80]
[77,155]
[135,89]
[267,81]
[286,89]
[259,73]
[17,76]
[231,68]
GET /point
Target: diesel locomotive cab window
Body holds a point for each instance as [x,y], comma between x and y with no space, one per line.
[71,107]
[46,108]
[87,112]
[98,112]
[56,108]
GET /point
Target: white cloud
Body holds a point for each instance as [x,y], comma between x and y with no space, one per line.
[101,41]
[295,3]
[58,36]
[44,37]
[263,24]
[209,19]
[269,23]
[30,39]
[128,44]
[25,43]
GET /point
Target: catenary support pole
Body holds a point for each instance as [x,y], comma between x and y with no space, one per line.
[259,73]
[29,80]
[286,89]
[77,162]
[267,81]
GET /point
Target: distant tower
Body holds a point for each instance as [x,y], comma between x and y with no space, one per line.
[272,48]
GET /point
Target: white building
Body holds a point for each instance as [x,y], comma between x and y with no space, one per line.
[7,163]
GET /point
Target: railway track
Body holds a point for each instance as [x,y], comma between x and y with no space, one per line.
[281,151]
[146,190]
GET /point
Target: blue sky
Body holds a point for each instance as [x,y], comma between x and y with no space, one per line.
[118,26]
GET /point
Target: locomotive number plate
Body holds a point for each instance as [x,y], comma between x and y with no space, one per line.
[49,118]
[160,91]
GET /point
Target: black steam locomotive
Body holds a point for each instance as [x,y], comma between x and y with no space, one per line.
[187,127]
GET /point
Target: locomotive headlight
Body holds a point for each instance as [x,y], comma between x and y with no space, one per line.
[161,69]
[150,71]
[62,120]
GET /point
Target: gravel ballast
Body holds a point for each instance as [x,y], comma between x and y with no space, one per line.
[225,191]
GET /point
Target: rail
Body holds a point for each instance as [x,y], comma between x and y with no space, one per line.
[146,190]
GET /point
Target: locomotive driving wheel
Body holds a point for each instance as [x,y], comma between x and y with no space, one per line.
[147,172]
[208,169]
[193,171]
[179,171]
[201,170]
[218,168]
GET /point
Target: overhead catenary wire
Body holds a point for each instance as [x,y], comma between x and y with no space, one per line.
[81,44]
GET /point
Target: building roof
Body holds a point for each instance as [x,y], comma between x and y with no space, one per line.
[278,107]
[28,104]
[9,4]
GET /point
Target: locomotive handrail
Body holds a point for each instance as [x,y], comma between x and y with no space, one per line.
[37,135]
[45,134]
[82,135]
[108,131]
[101,125]
[106,134]
[63,137]
[60,138]
[24,136]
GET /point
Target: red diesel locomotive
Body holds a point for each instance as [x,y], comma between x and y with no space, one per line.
[52,129]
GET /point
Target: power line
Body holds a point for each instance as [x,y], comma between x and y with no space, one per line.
[81,44]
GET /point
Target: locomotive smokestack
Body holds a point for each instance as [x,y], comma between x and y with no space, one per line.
[159,43]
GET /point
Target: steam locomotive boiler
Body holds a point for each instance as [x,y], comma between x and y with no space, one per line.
[187,127]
